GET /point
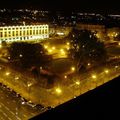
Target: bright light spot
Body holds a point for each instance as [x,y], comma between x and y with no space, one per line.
[60,33]
[40,67]
[73,68]
[58,90]
[0,46]
[94,76]
[62,51]
[88,64]
[29,84]
[49,50]
[116,66]
[65,76]
[20,55]
[106,71]
[45,46]
[7,73]
[9,57]
[23,103]
[0,68]
[119,43]
[77,82]
[30,101]
[68,43]
[16,78]
[53,48]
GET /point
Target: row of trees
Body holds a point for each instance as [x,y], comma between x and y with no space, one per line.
[31,57]
[27,55]
[86,49]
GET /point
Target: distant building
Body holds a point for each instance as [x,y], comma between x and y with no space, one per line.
[59,31]
[24,32]
[91,27]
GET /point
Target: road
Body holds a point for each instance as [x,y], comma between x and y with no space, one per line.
[11,107]
[50,97]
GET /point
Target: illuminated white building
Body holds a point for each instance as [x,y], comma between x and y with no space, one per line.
[25,32]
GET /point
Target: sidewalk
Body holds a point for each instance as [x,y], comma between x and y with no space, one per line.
[50,97]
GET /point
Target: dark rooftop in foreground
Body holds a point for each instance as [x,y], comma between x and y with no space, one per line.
[101,103]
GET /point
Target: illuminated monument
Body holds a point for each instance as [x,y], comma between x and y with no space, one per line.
[25,32]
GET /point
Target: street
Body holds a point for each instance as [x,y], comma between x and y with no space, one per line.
[11,107]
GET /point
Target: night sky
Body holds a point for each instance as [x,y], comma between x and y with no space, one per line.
[66,5]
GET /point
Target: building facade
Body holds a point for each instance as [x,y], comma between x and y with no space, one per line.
[25,32]
[91,27]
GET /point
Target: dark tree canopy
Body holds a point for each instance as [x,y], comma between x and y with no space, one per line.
[85,48]
[27,55]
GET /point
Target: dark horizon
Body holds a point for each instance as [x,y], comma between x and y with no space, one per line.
[64,5]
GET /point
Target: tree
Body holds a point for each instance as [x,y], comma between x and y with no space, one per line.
[4,44]
[26,55]
[86,49]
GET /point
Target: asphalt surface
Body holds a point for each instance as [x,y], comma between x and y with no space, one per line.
[11,107]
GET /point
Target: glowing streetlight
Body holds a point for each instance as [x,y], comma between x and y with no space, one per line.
[16,78]
[29,84]
[58,90]
[73,68]
[29,88]
[45,46]
[7,73]
[88,64]
[9,57]
[94,76]
[53,48]
[68,43]
[106,71]
[62,51]
[20,55]
[65,76]
[77,82]
[49,50]
[116,66]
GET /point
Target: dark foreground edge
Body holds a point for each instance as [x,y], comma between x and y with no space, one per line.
[101,103]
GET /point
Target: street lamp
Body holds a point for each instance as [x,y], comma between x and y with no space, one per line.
[50,50]
[77,82]
[29,86]
[94,76]
[20,55]
[106,71]
[45,46]
[58,90]
[7,73]
[73,68]
[53,48]
[88,64]
[16,78]
[65,76]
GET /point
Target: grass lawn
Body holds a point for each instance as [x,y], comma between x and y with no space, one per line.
[61,65]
